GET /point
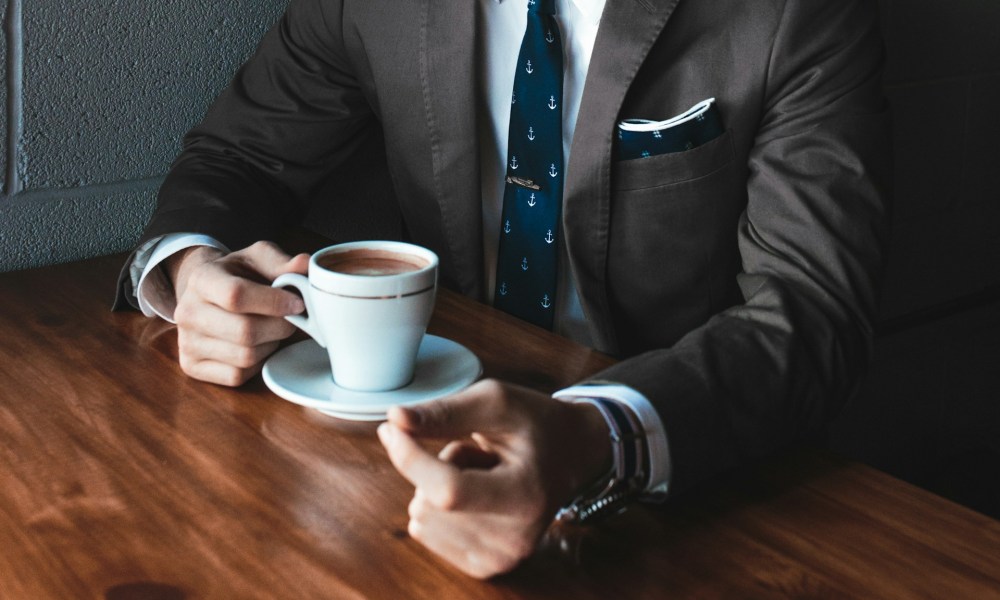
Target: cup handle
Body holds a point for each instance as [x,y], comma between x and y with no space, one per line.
[307,323]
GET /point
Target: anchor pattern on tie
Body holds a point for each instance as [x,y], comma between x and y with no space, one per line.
[527,255]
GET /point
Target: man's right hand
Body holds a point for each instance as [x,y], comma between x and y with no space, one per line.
[229,318]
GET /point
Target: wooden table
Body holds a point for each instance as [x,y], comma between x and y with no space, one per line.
[123,479]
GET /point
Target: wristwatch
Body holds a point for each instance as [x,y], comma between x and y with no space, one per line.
[626,478]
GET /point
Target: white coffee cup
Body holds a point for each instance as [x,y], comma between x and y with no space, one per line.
[368,303]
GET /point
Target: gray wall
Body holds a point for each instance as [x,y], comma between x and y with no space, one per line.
[98,94]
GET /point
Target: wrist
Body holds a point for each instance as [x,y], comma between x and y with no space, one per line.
[626,477]
[179,266]
[596,451]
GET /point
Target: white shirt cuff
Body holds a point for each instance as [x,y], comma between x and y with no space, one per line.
[660,465]
[152,289]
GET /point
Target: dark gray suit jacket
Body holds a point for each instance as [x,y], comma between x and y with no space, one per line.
[737,279]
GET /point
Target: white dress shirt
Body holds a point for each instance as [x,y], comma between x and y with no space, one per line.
[503,25]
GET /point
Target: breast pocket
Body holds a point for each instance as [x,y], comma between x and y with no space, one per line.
[674,167]
[673,245]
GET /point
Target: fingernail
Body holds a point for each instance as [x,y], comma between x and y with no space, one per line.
[296,306]
[384,433]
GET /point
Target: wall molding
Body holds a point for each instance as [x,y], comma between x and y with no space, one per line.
[38,196]
[15,98]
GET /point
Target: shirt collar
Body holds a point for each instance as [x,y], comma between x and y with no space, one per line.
[590,9]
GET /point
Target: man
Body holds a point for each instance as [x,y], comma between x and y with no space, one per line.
[737,279]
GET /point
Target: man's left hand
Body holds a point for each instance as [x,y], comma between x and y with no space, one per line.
[516,456]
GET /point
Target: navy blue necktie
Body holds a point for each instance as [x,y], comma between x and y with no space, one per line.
[532,201]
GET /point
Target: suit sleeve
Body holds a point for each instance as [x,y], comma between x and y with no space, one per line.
[292,114]
[775,369]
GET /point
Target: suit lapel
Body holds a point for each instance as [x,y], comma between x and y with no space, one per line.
[627,32]
[448,55]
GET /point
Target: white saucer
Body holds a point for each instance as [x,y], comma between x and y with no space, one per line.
[301,374]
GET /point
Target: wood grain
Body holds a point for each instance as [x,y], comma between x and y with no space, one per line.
[122,479]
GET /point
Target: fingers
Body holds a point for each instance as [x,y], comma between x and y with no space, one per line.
[219,361]
[485,406]
[205,322]
[484,501]
[241,282]
[229,318]
[444,484]
[225,348]
[418,466]
[212,371]
[269,261]
[196,347]
[467,455]
[482,548]
[218,285]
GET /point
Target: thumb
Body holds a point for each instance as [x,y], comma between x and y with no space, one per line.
[269,260]
[484,407]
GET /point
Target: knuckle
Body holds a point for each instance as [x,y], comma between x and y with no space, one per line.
[246,357]
[186,363]
[496,391]
[492,386]
[183,341]
[244,333]
[446,500]
[186,358]
[266,252]
[263,246]
[448,497]
[233,377]
[183,313]
[285,329]
[415,529]
[232,295]
[416,509]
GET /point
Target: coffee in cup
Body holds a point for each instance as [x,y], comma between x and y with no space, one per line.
[371,262]
[368,304]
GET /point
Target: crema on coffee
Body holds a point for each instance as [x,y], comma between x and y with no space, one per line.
[371,262]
